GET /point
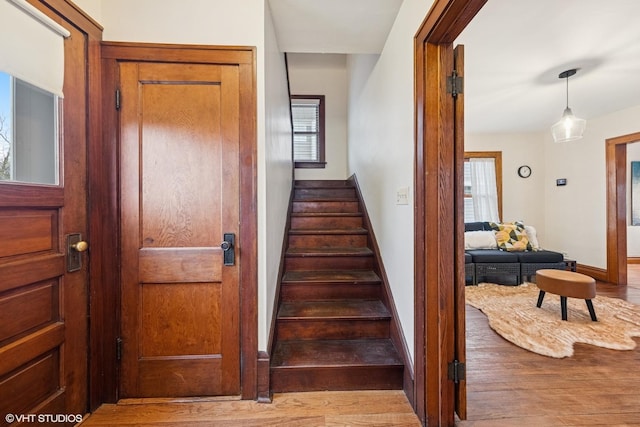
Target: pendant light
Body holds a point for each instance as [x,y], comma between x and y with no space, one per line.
[569,127]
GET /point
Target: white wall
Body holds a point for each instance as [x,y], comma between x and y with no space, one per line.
[275,187]
[576,220]
[633,232]
[324,74]
[92,7]
[222,22]
[381,150]
[522,198]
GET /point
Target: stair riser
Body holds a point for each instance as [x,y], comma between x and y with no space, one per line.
[332,329]
[336,379]
[328,291]
[332,207]
[328,263]
[328,241]
[323,183]
[326,222]
[324,193]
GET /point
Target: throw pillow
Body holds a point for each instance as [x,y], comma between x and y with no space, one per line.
[512,237]
[532,234]
[480,240]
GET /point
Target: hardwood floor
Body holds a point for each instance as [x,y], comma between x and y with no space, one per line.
[506,385]
[327,408]
[509,386]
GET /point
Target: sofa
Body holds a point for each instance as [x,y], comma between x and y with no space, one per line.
[505,252]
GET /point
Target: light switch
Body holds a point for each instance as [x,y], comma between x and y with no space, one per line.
[402,196]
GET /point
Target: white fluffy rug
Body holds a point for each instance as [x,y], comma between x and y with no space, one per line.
[513,314]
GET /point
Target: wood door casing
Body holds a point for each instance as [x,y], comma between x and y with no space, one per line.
[460,280]
[435,245]
[43,308]
[179,195]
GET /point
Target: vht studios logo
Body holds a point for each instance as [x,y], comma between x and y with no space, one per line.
[43,418]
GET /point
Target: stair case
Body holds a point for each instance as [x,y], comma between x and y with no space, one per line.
[333,327]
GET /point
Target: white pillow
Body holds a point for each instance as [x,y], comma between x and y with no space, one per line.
[480,240]
[531,234]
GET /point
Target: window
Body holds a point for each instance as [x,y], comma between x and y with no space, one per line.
[28,132]
[482,186]
[307,115]
[30,91]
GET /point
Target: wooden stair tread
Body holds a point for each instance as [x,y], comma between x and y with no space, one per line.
[325,214]
[335,276]
[335,309]
[333,330]
[317,231]
[335,353]
[329,251]
[320,198]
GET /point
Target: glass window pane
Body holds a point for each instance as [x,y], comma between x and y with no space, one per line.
[305,147]
[28,133]
[305,115]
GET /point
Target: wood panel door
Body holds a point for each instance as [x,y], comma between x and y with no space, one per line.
[179,189]
[44,307]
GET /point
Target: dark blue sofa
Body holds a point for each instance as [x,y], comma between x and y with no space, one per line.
[498,264]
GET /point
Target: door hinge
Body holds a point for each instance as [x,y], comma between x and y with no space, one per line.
[117,99]
[118,349]
[455,84]
[457,371]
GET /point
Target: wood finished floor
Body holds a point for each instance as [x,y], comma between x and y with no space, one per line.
[506,386]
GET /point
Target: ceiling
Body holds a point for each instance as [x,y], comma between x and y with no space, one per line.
[333,26]
[514,51]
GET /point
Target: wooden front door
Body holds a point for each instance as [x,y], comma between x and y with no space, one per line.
[43,306]
[179,192]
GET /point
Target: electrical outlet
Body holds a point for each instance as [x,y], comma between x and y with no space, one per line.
[402,196]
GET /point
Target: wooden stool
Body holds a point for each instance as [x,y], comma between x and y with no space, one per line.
[567,284]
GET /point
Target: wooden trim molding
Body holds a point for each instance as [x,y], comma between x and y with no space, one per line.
[74,19]
[397,337]
[264,375]
[616,165]
[321,163]
[245,59]
[436,245]
[633,260]
[497,157]
[595,272]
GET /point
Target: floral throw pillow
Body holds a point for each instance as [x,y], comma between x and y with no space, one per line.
[511,237]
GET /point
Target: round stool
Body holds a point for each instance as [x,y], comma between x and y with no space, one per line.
[567,284]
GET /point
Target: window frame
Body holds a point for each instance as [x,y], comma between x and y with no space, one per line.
[321,163]
[497,158]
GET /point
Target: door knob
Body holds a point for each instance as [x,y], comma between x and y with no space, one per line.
[80,246]
[75,247]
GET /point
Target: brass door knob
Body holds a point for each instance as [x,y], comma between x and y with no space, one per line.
[80,246]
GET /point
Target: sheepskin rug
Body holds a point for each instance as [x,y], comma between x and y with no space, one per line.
[513,314]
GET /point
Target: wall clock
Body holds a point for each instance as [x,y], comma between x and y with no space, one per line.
[524,171]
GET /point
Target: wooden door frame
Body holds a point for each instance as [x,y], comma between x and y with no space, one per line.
[616,161]
[438,236]
[105,297]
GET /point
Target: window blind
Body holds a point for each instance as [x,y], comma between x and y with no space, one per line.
[306,128]
[32,46]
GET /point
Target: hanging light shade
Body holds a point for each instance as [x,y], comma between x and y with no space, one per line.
[569,127]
